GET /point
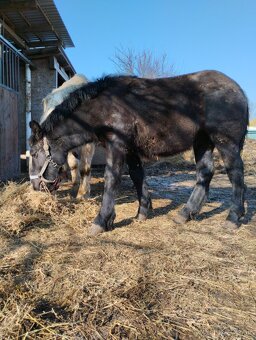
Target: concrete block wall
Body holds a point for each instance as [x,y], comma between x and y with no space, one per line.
[43,81]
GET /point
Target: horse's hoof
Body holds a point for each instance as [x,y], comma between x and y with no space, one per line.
[141,217]
[180,219]
[231,225]
[82,196]
[95,230]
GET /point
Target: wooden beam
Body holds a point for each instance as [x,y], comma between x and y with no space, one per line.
[54,64]
[55,43]
[42,53]
[14,5]
[14,36]
[24,17]
[34,28]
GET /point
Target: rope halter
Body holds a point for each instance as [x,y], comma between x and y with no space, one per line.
[47,161]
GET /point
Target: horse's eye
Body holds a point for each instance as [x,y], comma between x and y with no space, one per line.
[33,154]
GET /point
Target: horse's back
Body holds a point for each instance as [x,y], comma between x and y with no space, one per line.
[169,112]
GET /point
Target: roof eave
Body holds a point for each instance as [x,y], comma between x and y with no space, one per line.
[52,14]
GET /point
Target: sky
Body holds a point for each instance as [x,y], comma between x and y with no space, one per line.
[194,34]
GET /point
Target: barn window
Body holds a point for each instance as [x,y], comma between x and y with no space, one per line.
[9,66]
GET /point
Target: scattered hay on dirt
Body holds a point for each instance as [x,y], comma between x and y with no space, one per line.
[144,280]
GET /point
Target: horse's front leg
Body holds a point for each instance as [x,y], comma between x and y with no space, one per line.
[137,175]
[113,171]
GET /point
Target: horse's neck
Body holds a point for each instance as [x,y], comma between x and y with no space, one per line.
[73,131]
[71,141]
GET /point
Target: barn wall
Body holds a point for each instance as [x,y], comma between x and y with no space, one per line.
[9,135]
[43,81]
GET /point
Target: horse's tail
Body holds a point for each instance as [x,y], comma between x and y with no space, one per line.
[247,120]
[248,114]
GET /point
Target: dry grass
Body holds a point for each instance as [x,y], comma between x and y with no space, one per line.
[144,280]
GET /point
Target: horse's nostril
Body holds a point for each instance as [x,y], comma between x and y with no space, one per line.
[43,187]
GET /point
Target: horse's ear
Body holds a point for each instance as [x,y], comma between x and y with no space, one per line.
[36,129]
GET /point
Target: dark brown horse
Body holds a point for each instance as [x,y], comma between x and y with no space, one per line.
[135,118]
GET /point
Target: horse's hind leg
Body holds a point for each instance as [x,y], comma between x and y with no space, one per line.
[87,153]
[73,165]
[138,177]
[203,149]
[230,154]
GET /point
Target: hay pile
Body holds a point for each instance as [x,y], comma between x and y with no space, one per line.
[144,280]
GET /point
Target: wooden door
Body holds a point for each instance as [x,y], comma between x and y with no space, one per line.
[9,135]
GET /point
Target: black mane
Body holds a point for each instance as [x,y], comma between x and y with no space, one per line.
[75,99]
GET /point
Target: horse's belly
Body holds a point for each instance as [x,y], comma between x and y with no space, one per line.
[165,143]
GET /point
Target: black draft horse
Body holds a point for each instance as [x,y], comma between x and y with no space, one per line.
[138,118]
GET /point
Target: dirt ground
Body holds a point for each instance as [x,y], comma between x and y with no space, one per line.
[144,280]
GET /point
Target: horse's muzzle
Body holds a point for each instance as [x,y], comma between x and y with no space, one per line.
[50,187]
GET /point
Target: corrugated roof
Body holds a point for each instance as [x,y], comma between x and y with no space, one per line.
[51,12]
[37,22]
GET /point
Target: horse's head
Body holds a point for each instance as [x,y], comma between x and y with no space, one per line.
[46,160]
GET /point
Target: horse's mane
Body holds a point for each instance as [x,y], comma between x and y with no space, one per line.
[58,95]
[74,100]
[84,93]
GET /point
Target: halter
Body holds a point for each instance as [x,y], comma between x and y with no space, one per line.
[47,161]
